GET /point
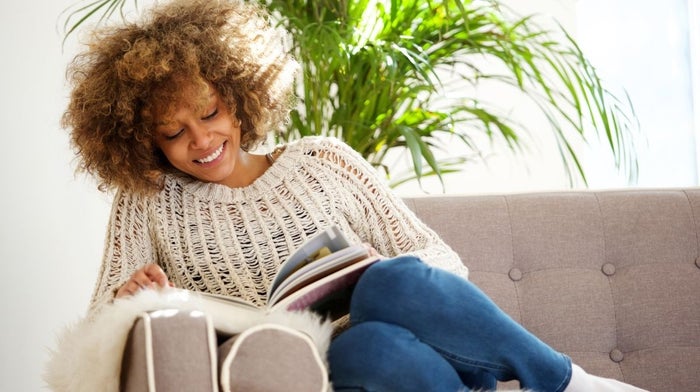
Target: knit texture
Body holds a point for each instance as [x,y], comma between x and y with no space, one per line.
[232,241]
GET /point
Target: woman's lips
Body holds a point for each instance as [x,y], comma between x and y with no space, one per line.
[213,156]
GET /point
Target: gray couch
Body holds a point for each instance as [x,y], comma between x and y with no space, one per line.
[610,278]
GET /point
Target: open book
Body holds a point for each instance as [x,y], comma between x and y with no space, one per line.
[320,276]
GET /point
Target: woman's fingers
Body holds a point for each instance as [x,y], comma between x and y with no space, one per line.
[150,276]
[128,288]
[155,274]
[141,278]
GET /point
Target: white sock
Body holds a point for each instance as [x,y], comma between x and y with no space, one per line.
[584,382]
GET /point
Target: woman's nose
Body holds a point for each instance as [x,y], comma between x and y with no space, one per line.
[201,137]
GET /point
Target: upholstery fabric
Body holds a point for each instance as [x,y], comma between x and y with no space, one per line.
[184,344]
[608,277]
[270,358]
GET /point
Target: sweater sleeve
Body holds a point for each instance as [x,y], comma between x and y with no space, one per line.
[128,247]
[381,218]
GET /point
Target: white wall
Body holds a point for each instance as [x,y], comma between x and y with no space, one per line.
[53,223]
[645,48]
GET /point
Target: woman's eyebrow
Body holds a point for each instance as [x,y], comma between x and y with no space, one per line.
[163,123]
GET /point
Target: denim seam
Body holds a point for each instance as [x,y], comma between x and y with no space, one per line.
[468,361]
[446,354]
[565,382]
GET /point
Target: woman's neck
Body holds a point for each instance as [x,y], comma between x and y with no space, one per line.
[249,167]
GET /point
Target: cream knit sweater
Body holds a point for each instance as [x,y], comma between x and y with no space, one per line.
[232,241]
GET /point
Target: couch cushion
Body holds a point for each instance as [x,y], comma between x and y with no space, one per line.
[170,350]
[608,277]
[270,358]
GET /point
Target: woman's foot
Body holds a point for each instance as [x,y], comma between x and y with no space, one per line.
[584,382]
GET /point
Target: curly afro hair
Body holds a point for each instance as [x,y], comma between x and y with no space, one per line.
[128,72]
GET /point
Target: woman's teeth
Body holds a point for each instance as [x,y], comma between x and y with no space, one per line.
[213,155]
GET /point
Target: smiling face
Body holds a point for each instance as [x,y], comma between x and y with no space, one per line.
[202,138]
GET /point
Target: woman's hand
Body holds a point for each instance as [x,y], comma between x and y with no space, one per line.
[149,277]
[371,250]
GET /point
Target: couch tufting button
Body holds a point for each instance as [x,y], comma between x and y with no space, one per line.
[515,274]
[697,262]
[608,269]
[617,355]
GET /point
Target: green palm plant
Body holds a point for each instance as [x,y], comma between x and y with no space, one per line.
[375,75]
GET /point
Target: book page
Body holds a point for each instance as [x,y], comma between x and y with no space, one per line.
[331,238]
[318,269]
[225,299]
[314,295]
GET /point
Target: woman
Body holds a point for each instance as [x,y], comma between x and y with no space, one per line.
[168,112]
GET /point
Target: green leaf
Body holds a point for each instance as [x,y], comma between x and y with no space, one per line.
[380,76]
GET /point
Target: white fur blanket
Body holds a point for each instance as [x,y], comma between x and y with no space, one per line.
[88,353]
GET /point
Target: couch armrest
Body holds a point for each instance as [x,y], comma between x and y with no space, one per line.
[170,350]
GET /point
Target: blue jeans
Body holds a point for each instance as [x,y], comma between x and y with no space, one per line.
[419,328]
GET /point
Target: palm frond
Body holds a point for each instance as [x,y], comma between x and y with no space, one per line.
[376,72]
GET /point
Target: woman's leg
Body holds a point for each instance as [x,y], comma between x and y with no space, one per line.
[375,356]
[458,321]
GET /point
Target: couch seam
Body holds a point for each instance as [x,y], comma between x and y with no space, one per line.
[512,260]
[605,260]
[640,350]
[695,225]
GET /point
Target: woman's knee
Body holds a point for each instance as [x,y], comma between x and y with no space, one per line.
[382,285]
[362,347]
[358,356]
[388,269]
[378,356]
[405,284]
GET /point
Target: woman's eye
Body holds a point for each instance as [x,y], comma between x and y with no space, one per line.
[211,115]
[174,135]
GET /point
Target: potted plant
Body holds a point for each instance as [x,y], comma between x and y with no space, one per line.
[374,76]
